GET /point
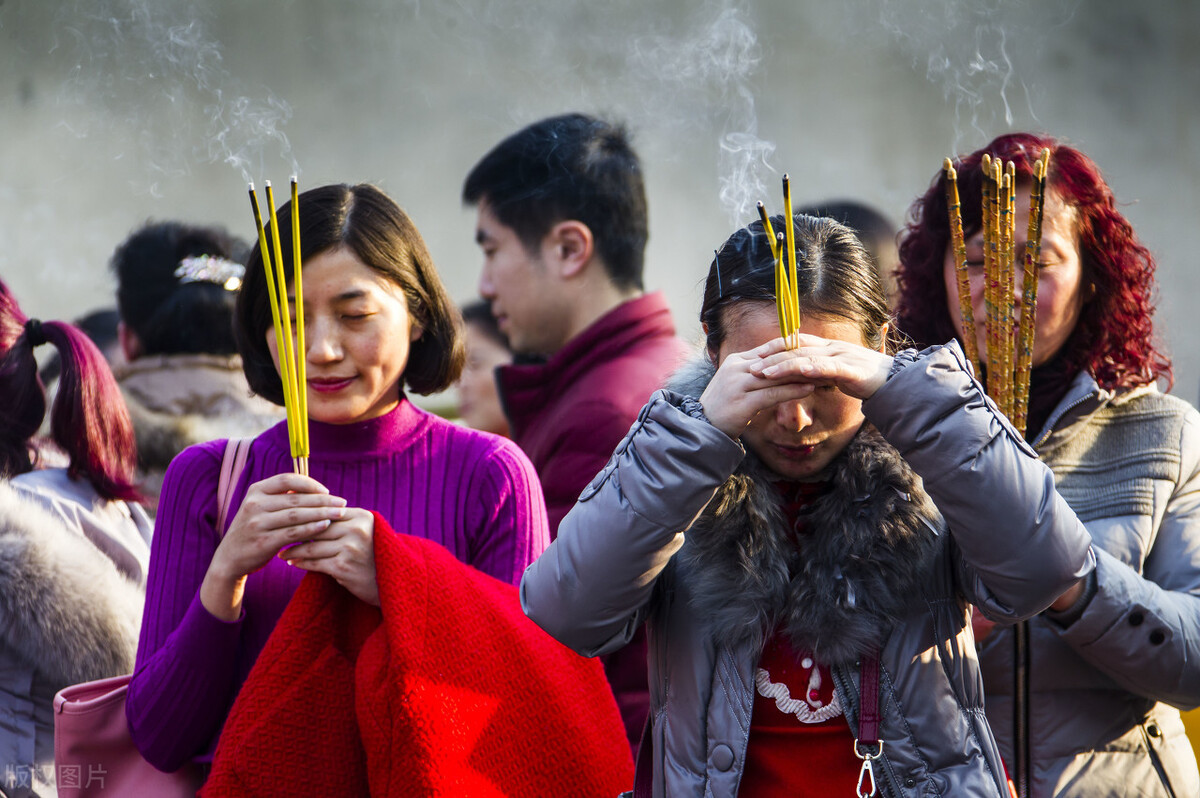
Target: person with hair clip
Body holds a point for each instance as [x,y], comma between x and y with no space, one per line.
[74,542]
[182,377]
[378,323]
[802,529]
[1085,698]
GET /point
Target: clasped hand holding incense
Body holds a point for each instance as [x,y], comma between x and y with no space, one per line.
[748,383]
[277,512]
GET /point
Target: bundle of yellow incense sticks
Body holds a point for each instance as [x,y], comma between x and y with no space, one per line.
[783,250]
[291,351]
[1009,345]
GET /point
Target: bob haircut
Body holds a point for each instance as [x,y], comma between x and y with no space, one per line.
[369,224]
[1114,337]
[836,279]
[88,421]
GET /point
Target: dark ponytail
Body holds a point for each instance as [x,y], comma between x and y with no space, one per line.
[89,420]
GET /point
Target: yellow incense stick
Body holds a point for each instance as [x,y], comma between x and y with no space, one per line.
[769,231]
[301,349]
[783,297]
[954,208]
[790,243]
[287,356]
[273,295]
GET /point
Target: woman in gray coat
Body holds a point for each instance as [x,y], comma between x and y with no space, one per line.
[1087,702]
[804,530]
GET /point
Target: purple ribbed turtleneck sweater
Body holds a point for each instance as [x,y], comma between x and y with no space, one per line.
[474,493]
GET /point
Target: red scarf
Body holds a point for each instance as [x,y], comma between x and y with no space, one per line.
[449,691]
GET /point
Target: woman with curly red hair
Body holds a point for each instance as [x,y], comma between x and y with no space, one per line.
[1084,698]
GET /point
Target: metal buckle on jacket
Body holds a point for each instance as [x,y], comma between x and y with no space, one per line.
[867,774]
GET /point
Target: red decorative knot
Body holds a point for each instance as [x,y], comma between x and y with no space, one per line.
[813,695]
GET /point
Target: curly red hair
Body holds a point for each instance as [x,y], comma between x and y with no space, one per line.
[1114,337]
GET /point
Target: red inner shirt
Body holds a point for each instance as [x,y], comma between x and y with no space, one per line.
[787,756]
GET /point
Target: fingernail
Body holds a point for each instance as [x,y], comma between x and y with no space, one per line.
[770,370]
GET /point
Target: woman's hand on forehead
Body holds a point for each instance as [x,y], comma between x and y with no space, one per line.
[855,370]
[736,394]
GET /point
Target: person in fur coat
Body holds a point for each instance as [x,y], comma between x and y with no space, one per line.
[74,544]
[804,528]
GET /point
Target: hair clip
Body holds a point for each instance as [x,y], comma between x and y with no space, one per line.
[211,269]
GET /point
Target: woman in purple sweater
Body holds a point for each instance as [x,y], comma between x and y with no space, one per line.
[376,317]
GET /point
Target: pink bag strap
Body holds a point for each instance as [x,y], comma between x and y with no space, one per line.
[236,450]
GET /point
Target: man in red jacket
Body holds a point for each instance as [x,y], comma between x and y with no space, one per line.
[562,225]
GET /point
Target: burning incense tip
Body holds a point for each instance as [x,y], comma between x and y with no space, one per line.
[948,165]
[251,185]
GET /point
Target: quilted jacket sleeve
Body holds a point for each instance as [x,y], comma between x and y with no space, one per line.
[590,588]
[1021,545]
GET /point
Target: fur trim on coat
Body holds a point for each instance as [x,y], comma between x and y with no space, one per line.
[176,401]
[64,606]
[837,590]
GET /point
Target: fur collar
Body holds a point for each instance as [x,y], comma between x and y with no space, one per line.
[840,589]
[65,609]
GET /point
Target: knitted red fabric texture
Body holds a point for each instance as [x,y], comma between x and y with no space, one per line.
[449,691]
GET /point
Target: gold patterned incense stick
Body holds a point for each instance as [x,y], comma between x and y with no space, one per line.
[1028,326]
[954,206]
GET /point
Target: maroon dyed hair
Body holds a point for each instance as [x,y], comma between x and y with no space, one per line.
[1114,337]
[89,420]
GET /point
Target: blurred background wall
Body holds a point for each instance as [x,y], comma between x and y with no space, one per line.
[113,112]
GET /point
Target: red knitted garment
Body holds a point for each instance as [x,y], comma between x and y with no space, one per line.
[449,691]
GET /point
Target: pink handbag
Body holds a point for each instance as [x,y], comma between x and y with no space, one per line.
[94,755]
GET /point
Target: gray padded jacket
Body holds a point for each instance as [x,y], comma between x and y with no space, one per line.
[1095,712]
[684,530]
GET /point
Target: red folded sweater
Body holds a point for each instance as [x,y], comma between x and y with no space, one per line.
[447,690]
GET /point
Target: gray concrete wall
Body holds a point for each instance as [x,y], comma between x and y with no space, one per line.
[115,111]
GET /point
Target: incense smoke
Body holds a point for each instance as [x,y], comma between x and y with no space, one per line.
[157,69]
[976,51]
[719,62]
[686,73]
